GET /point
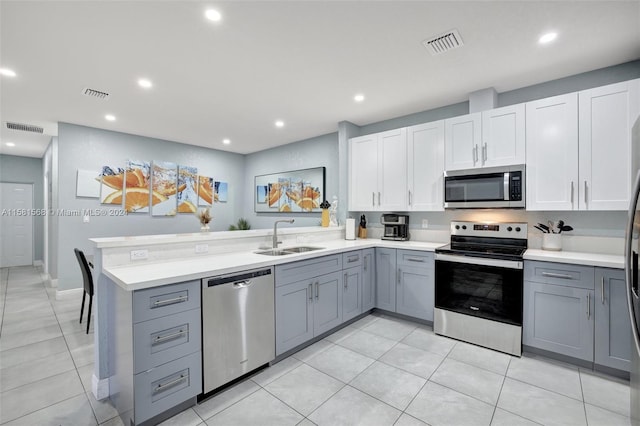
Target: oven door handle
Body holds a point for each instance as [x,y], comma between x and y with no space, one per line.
[510,264]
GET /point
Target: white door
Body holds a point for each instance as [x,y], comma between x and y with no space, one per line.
[462,139]
[392,177]
[16,224]
[363,173]
[503,136]
[425,161]
[552,153]
[606,161]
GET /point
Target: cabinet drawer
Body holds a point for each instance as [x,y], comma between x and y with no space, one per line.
[352,258]
[164,387]
[166,300]
[419,259]
[304,269]
[161,340]
[560,274]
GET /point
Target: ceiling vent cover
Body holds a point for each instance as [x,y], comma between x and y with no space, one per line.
[444,42]
[24,127]
[95,94]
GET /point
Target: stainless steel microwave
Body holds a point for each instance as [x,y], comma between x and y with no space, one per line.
[486,188]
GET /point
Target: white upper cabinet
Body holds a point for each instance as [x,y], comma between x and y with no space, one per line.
[425,161]
[487,139]
[462,140]
[606,157]
[377,171]
[503,136]
[552,153]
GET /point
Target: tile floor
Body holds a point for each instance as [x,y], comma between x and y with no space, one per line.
[377,371]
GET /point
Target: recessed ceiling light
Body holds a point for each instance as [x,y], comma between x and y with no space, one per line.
[279,123]
[213,15]
[143,82]
[226,141]
[547,38]
[7,72]
[110,117]
[359,97]
[10,144]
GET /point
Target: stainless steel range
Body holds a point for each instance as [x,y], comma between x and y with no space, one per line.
[479,281]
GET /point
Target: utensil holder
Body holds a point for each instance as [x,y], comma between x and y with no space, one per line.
[552,242]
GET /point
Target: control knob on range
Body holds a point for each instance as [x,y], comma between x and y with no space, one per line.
[509,229]
[457,226]
[517,229]
[464,226]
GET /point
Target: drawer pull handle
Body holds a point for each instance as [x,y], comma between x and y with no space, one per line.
[346,280]
[353,259]
[553,275]
[159,303]
[474,308]
[163,386]
[161,339]
[415,259]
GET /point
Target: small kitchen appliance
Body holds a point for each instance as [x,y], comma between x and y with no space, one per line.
[396,226]
[485,188]
[479,285]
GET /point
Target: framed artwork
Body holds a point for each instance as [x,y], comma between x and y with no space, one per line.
[164,184]
[88,184]
[205,191]
[137,194]
[112,181]
[187,189]
[297,191]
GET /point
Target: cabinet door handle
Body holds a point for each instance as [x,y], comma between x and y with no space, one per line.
[161,387]
[602,289]
[317,290]
[158,303]
[415,259]
[311,291]
[345,281]
[399,276]
[474,154]
[571,193]
[160,339]
[484,153]
[553,275]
[378,198]
[365,263]
[585,192]
[588,305]
[353,259]
[373,199]
[409,197]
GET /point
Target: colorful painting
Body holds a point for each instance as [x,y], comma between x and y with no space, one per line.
[137,194]
[164,182]
[111,185]
[221,195]
[299,191]
[187,189]
[205,191]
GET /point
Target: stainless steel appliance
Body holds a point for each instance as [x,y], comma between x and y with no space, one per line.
[632,248]
[238,325]
[396,226]
[479,285]
[490,187]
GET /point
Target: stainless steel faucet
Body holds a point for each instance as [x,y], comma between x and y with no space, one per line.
[275,231]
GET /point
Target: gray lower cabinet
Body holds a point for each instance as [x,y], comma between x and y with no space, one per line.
[386,279]
[368,280]
[156,347]
[405,282]
[294,315]
[352,297]
[613,326]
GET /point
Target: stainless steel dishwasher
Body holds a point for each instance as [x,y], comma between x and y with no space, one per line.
[238,325]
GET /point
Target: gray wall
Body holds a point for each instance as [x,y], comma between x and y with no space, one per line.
[15,169]
[584,223]
[321,151]
[89,149]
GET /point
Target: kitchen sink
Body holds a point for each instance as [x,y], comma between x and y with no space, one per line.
[286,251]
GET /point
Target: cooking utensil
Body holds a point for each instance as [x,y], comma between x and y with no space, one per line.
[544,227]
[537,227]
[551,227]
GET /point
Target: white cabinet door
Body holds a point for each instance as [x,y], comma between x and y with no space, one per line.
[363,173]
[503,136]
[392,170]
[552,153]
[462,139]
[606,162]
[425,171]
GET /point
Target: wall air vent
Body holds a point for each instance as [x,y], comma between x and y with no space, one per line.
[444,42]
[95,94]
[24,127]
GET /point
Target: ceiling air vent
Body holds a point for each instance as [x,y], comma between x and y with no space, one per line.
[24,127]
[95,93]
[444,42]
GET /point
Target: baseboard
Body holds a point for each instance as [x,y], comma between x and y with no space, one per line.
[68,294]
[99,388]
[53,282]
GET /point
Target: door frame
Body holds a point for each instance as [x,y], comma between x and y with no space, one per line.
[33,234]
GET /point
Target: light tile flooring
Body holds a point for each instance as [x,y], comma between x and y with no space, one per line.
[377,371]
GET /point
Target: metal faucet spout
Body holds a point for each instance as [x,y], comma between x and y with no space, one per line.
[275,230]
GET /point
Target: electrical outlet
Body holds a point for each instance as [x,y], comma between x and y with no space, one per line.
[85,218]
[139,254]
[425,223]
[202,248]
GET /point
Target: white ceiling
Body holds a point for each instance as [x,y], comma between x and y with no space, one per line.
[298,61]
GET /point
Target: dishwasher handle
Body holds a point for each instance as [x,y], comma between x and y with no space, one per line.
[238,280]
[242,284]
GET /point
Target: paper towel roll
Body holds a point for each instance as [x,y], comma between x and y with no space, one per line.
[350,229]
